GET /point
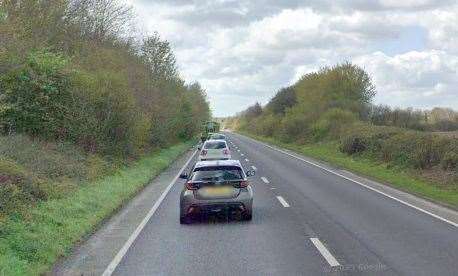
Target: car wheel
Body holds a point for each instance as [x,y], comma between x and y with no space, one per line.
[185,220]
[247,216]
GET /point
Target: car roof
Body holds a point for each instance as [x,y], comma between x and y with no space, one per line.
[216,163]
[215,140]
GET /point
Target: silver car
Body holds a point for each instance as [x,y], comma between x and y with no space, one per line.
[215,150]
[217,136]
[216,186]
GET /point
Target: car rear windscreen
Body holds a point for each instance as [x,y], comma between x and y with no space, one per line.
[217,173]
[215,145]
[218,136]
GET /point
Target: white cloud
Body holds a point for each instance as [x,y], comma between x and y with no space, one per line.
[244,51]
[417,79]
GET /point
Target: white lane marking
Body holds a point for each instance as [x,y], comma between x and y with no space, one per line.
[242,154]
[117,259]
[265,180]
[238,150]
[254,168]
[362,184]
[283,201]
[272,188]
[246,159]
[325,252]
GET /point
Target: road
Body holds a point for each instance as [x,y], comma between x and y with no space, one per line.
[307,221]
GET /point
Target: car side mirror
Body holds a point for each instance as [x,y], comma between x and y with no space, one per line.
[250,173]
[184,176]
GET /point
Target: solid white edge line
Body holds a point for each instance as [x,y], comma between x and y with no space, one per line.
[364,185]
[254,168]
[122,252]
[283,201]
[265,180]
[325,252]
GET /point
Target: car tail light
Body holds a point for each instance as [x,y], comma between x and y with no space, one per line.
[191,186]
[203,152]
[225,151]
[243,184]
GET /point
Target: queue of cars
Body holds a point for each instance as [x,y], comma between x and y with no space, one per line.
[216,183]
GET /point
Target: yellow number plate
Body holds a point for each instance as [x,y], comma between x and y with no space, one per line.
[218,191]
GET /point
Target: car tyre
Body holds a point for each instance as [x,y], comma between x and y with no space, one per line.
[247,216]
[185,220]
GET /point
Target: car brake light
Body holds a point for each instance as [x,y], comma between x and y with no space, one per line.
[225,151]
[191,186]
[203,152]
[243,184]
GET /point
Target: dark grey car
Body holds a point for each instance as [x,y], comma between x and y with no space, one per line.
[216,186]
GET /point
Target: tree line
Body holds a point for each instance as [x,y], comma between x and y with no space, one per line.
[78,71]
[334,105]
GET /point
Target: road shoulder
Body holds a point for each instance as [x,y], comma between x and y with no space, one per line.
[95,254]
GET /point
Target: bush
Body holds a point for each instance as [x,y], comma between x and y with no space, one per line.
[450,158]
[361,137]
[36,95]
[332,123]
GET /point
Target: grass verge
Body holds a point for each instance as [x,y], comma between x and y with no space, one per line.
[30,245]
[403,180]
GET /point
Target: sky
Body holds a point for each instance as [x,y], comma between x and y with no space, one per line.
[244,51]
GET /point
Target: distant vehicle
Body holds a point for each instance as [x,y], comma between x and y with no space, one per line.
[216,186]
[211,126]
[217,136]
[214,150]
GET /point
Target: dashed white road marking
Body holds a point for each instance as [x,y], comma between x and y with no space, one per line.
[283,201]
[246,159]
[242,154]
[272,188]
[265,180]
[325,252]
[254,168]
[117,259]
[361,184]
[238,150]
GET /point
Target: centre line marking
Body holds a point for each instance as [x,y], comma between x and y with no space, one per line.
[265,180]
[283,201]
[254,168]
[325,252]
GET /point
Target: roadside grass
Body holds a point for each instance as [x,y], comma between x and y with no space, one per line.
[402,179]
[29,245]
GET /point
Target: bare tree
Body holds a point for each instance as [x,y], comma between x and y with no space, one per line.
[99,19]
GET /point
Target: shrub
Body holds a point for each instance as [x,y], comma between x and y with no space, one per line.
[36,95]
[332,123]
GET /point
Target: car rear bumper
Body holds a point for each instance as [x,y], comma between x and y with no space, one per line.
[243,202]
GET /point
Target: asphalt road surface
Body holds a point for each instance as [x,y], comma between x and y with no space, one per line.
[306,221]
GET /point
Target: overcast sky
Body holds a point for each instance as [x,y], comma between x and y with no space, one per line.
[244,51]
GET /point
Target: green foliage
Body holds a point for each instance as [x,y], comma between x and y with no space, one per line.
[332,123]
[334,105]
[29,245]
[285,98]
[36,95]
